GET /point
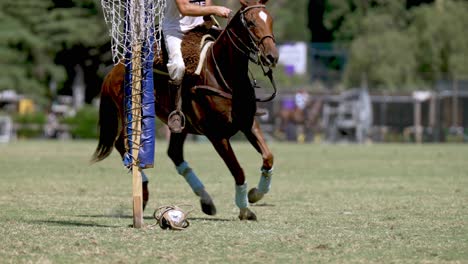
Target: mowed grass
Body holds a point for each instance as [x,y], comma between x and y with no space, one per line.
[328,204]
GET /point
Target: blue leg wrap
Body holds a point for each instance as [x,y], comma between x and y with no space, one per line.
[264,184]
[143,177]
[190,176]
[241,196]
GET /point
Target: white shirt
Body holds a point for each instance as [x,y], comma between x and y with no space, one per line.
[301,98]
[175,22]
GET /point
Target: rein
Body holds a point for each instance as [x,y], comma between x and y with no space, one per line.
[252,53]
[269,74]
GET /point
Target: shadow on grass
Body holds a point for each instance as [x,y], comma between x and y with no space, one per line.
[210,219]
[152,218]
[263,205]
[70,223]
[114,216]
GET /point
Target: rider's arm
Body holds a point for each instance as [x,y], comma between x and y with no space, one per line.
[187,9]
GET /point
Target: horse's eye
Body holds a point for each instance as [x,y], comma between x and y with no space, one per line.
[250,24]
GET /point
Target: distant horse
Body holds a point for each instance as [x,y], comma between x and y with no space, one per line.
[217,103]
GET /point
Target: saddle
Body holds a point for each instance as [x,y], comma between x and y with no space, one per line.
[194,46]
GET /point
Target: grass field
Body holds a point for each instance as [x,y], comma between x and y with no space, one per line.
[328,204]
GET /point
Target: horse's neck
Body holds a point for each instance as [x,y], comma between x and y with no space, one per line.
[230,61]
[231,65]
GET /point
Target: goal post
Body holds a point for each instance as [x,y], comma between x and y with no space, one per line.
[131,24]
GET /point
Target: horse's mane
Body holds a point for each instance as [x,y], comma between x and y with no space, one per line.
[190,48]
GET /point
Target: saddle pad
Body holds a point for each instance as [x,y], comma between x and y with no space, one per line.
[194,44]
[204,50]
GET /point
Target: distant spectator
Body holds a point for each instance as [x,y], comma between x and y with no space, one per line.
[50,128]
[301,99]
[287,104]
[287,125]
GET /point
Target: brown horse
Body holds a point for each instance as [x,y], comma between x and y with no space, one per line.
[218,103]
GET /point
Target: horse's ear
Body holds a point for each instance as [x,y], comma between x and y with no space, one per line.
[263,2]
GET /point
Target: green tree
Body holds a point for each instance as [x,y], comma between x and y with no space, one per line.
[25,55]
[384,60]
[396,48]
[441,39]
[77,30]
[43,41]
[290,19]
[348,17]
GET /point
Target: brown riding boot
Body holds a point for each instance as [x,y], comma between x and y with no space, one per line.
[176,119]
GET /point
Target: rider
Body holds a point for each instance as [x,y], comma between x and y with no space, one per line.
[180,16]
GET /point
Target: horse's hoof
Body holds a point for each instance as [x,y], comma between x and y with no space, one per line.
[246,214]
[255,195]
[208,208]
[206,203]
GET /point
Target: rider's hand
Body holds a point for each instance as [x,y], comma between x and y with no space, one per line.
[222,11]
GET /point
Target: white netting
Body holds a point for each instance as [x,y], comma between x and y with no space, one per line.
[142,16]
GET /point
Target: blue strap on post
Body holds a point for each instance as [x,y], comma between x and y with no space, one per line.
[147,138]
[146,153]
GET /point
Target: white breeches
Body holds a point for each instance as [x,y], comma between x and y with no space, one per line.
[175,64]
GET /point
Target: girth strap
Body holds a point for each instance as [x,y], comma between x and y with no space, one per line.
[212,89]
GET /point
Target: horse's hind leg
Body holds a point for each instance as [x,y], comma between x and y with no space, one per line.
[120,146]
[175,152]
[255,137]
[224,149]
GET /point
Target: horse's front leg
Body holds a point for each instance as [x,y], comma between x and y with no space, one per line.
[224,149]
[176,153]
[255,137]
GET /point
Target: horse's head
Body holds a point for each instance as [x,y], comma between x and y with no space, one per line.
[259,38]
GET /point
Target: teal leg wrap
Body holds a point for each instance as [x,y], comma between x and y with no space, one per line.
[143,177]
[190,176]
[264,184]
[241,196]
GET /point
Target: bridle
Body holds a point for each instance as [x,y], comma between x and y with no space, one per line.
[251,50]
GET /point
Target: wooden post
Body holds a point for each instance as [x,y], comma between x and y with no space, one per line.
[136,136]
[383,118]
[417,121]
[432,115]
[455,103]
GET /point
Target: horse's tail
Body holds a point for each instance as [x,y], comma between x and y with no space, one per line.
[108,127]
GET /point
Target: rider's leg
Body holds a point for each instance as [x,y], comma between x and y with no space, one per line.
[176,69]
[176,119]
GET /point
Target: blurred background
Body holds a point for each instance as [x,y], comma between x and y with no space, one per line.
[351,70]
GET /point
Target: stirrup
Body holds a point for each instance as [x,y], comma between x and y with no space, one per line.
[176,125]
